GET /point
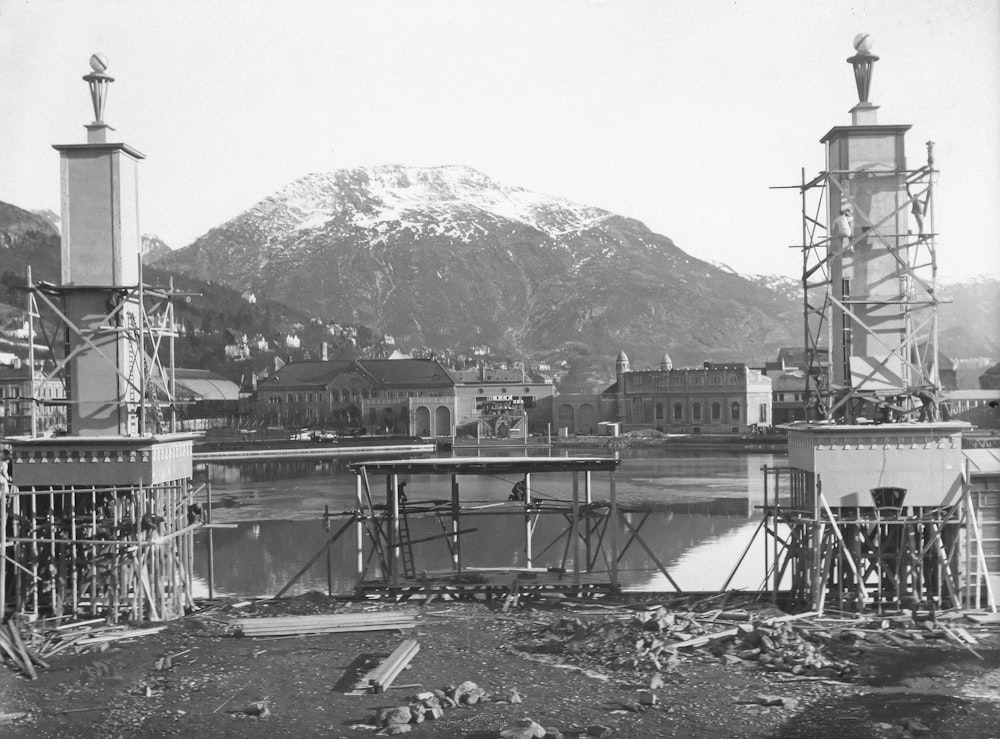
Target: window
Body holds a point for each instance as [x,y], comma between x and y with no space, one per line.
[529,402]
[696,412]
[716,411]
[659,411]
[763,412]
[734,412]
[678,412]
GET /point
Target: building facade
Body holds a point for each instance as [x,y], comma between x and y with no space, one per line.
[16,402]
[712,399]
[417,397]
[391,396]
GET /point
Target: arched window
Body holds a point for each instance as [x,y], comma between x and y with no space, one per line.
[716,411]
[696,412]
[678,412]
[735,411]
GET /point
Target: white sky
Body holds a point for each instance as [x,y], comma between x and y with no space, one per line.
[678,113]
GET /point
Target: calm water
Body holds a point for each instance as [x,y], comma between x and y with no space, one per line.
[278,510]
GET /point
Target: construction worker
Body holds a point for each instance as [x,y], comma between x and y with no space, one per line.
[401,494]
[519,491]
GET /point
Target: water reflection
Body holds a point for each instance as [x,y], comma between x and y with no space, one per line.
[278,508]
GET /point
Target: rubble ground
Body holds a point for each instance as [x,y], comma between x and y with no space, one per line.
[641,666]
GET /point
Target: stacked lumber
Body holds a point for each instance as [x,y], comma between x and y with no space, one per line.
[324,624]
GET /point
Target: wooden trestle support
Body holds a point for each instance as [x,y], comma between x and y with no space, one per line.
[125,553]
[856,558]
[593,541]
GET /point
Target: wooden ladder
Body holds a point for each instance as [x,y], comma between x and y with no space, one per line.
[405,546]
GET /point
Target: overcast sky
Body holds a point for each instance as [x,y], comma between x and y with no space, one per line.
[680,114]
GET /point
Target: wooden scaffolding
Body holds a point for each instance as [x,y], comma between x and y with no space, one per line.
[124,553]
[591,540]
[883,556]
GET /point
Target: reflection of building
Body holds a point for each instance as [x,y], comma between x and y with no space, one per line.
[16,394]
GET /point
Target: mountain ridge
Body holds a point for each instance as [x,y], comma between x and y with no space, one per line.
[441,255]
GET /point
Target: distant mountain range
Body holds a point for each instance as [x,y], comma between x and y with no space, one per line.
[444,256]
[448,258]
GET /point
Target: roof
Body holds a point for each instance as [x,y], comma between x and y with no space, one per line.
[8,373]
[416,372]
[298,374]
[790,381]
[972,395]
[204,385]
[485,465]
[983,461]
[407,371]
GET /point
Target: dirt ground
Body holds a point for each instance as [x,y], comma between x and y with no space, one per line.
[927,688]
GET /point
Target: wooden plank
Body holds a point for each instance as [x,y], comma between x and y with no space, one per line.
[705,639]
[19,646]
[123,634]
[332,619]
[290,631]
[396,663]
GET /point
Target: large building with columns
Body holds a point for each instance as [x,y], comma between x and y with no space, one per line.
[716,398]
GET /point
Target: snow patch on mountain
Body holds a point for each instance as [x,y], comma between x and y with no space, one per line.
[445,201]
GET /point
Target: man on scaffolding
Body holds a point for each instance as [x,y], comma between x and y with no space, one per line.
[519,492]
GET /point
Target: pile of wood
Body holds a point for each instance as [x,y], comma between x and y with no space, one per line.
[324,624]
[656,639]
[26,647]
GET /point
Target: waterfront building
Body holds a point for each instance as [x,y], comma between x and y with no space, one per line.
[377,395]
[718,398]
[47,397]
[418,397]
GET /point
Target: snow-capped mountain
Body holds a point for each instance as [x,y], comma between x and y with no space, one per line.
[446,256]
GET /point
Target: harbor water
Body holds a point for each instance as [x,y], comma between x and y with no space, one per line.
[703,511]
